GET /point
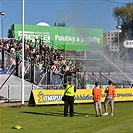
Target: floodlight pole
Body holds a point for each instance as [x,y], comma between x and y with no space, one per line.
[2,23]
[22,87]
[118,31]
[118,45]
[119,41]
[132,50]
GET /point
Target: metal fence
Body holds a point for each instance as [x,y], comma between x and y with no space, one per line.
[47,79]
[11,93]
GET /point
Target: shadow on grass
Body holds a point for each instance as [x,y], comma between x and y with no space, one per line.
[59,114]
[83,114]
[45,113]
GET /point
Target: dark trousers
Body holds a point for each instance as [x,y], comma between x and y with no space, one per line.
[69,101]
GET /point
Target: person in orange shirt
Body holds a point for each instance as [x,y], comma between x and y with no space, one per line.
[110,95]
[97,93]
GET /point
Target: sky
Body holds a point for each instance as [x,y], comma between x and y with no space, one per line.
[75,13]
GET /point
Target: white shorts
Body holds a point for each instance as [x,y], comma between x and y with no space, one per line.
[97,105]
[107,100]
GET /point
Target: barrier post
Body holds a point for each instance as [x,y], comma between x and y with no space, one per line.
[8,94]
[32,71]
[16,65]
[2,66]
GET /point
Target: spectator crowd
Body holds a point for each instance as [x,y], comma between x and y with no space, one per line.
[47,58]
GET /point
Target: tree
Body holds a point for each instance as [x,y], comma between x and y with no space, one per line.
[60,24]
[11,32]
[124,16]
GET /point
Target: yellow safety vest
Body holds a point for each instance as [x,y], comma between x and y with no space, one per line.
[69,90]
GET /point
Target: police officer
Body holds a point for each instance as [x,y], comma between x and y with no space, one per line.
[69,98]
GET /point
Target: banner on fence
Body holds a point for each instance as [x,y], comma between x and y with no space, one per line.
[43,97]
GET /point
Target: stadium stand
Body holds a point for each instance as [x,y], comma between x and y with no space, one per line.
[48,68]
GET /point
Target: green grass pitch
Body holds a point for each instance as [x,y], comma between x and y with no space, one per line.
[49,119]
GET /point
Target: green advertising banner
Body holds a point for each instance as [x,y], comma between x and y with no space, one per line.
[63,37]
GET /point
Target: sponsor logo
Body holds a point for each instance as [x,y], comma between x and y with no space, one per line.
[128,43]
[54,97]
[125,95]
[30,35]
[83,97]
[48,98]
[41,97]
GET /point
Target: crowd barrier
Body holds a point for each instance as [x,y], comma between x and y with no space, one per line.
[46,97]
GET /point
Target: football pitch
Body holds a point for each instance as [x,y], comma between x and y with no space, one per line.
[50,119]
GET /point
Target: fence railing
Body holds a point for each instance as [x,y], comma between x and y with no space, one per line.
[11,93]
[49,79]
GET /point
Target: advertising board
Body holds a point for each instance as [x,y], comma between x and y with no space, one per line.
[44,97]
[62,37]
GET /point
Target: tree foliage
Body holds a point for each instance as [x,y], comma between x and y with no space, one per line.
[11,32]
[124,15]
[62,24]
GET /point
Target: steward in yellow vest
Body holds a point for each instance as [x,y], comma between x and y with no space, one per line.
[69,99]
